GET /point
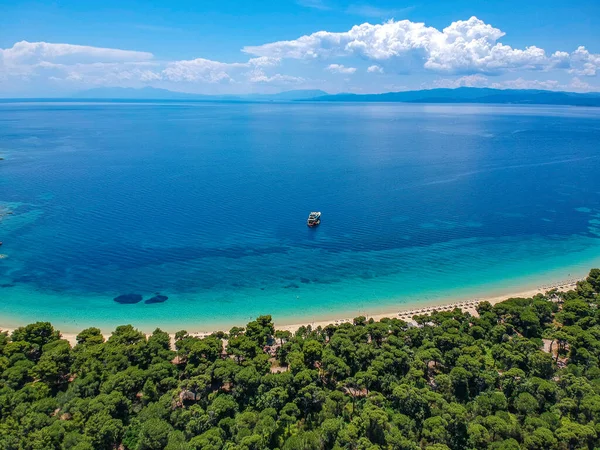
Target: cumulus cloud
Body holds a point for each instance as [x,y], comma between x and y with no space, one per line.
[81,75]
[584,62]
[577,85]
[340,68]
[465,46]
[375,69]
[560,60]
[30,53]
[465,53]
[547,85]
[84,65]
[520,83]
[476,80]
[29,60]
[258,76]
[198,69]
[206,70]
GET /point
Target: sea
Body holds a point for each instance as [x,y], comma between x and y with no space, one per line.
[197,211]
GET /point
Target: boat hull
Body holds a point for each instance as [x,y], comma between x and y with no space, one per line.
[314,219]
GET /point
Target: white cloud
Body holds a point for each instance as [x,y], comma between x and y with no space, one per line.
[340,68]
[469,46]
[29,53]
[72,76]
[315,4]
[465,52]
[547,85]
[375,69]
[208,71]
[83,65]
[560,60]
[68,62]
[577,85]
[198,69]
[264,61]
[258,76]
[520,83]
[584,63]
[366,10]
[476,80]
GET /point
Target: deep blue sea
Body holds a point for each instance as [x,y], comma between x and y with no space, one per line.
[206,203]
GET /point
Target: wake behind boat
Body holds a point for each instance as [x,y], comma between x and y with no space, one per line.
[314,219]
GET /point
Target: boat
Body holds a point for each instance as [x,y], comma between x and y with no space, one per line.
[314,219]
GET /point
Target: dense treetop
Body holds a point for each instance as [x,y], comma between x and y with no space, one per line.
[523,375]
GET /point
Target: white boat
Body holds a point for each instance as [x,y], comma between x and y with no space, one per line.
[314,219]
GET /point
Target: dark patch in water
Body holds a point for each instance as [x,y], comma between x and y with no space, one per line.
[128,299]
[7,285]
[25,279]
[140,256]
[291,285]
[328,281]
[304,280]
[157,299]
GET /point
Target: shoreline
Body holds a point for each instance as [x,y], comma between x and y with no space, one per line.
[404,312]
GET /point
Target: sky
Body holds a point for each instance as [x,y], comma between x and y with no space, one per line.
[56,48]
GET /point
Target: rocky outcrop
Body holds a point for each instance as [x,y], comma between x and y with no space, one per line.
[187,396]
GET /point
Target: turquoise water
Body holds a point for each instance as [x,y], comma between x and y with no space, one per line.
[206,204]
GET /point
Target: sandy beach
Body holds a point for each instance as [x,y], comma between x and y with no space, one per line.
[404,313]
[470,306]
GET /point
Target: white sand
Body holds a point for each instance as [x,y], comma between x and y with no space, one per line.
[403,313]
[467,306]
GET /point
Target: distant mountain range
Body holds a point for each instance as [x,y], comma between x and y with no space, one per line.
[150,93]
[459,95]
[472,95]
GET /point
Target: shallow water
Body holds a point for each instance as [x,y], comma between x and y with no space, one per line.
[206,204]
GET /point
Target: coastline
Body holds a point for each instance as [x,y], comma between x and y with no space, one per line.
[383,296]
[407,313]
[404,312]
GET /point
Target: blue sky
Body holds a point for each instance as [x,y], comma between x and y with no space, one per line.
[60,47]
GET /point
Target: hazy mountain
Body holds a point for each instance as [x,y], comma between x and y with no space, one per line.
[150,93]
[302,94]
[459,95]
[146,93]
[472,95]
